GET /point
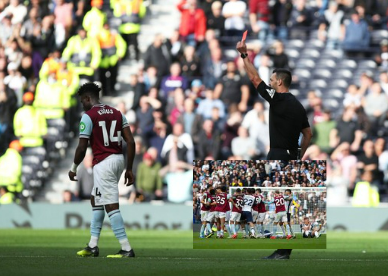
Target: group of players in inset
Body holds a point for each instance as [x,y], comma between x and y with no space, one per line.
[246,210]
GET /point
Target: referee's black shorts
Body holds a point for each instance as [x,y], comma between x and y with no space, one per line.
[282,154]
[289,218]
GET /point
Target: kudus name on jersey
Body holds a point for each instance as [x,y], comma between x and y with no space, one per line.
[105,111]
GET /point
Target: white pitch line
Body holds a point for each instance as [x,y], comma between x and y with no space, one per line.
[198,259]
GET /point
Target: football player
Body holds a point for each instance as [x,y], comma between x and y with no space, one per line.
[306,228]
[249,200]
[237,204]
[289,200]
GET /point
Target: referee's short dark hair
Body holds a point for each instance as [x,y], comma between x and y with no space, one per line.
[284,75]
[91,89]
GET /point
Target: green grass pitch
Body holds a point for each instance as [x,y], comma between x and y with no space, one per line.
[239,243]
[48,252]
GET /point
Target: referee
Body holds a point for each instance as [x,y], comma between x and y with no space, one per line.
[287,116]
[287,119]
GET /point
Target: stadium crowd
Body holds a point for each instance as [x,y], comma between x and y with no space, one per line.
[192,97]
[259,173]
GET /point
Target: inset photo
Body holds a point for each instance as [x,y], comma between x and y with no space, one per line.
[259,204]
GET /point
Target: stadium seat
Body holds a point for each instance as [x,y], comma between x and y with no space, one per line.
[343,74]
[347,64]
[318,84]
[338,83]
[314,53]
[367,64]
[305,63]
[294,43]
[322,73]
[292,53]
[377,36]
[326,63]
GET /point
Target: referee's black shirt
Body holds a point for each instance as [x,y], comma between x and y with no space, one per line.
[287,118]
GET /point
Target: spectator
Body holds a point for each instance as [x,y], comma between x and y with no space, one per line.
[28,25]
[184,144]
[258,128]
[228,87]
[234,11]
[175,46]
[213,67]
[381,58]
[173,81]
[94,19]
[383,77]
[279,16]
[178,106]
[188,116]
[190,64]
[215,20]
[278,56]
[259,16]
[322,131]
[15,9]
[138,89]
[206,105]
[193,22]
[244,145]
[300,20]
[356,39]
[348,163]
[63,21]
[376,107]
[330,27]
[148,181]
[230,132]
[8,107]
[369,161]
[158,56]
[42,41]
[352,97]
[209,141]
[144,117]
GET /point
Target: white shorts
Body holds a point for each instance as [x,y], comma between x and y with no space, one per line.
[255,214]
[220,215]
[204,215]
[236,216]
[227,217]
[261,217]
[211,216]
[281,217]
[106,176]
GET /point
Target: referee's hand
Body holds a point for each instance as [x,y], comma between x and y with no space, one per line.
[241,47]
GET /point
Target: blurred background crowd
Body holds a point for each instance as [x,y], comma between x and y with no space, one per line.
[188,96]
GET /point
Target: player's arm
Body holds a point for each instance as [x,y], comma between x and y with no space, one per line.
[307,135]
[78,157]
[249,67]
[128,138]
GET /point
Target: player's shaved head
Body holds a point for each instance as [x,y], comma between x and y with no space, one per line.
[90,89]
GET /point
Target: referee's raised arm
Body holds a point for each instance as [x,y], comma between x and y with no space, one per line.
[249,67]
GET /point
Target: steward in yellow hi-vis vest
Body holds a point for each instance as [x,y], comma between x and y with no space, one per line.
[94,19]
[50,64]
[5,196]
[11,168]
[365,194]
[113,48]
[83,55]
[51,98]
[29,124]
[130,13]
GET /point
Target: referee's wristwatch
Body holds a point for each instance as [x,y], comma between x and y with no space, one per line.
[244,55]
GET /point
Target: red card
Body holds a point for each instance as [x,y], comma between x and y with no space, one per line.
[244,35]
